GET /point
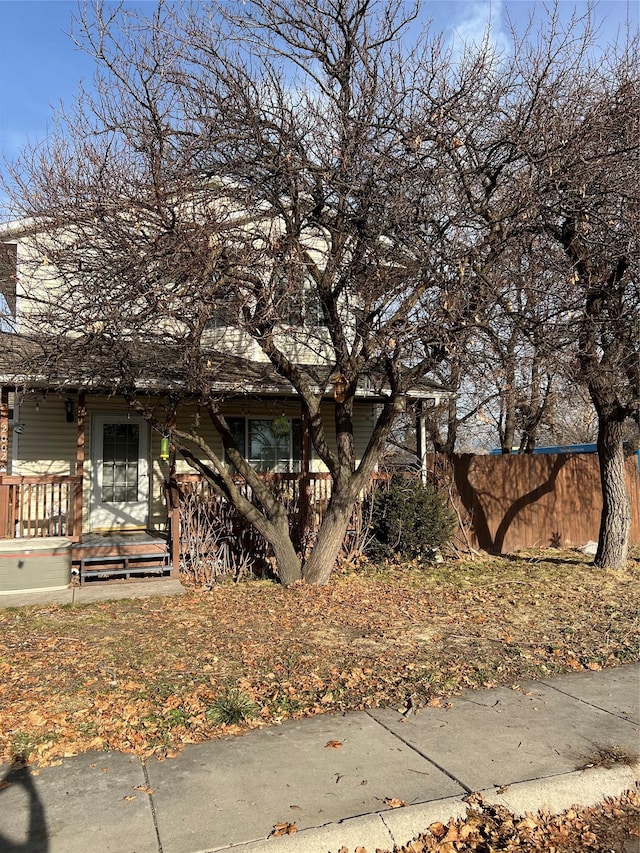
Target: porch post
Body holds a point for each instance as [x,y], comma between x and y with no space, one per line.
[4,430]
[421,432]
[6,527]
[80,441]
[173,496]
[305,480]
[80,454]
[173,507]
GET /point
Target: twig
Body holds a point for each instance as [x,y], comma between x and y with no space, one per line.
[501,583]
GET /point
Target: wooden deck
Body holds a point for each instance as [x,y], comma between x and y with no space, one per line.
[107,556]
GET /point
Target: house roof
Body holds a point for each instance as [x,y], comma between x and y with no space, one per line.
[96,365]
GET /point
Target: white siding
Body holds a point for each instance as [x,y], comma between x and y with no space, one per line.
[47,443]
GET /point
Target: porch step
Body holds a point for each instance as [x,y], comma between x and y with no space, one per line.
[114,565]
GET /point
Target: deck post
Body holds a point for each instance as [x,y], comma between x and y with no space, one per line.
[173,511]
[6,530]
[173,506]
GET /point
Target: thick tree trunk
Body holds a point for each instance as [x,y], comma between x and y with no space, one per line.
[317,570]
[287,561]
[276,532]
[615,522]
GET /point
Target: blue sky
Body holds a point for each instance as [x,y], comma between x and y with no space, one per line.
[40,66]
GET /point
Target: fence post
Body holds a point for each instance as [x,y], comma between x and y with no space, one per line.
[77,509]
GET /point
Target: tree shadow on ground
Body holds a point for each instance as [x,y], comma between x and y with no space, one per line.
[542,558]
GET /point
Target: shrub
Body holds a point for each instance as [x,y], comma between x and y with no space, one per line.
[409,518]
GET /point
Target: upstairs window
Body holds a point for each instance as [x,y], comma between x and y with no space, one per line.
[296,301]
[8,282]
[220,318]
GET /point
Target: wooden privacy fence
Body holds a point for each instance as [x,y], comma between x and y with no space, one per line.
[35,507]
[527,501]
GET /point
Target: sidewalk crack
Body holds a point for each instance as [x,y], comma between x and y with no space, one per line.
[422,755]
[590,704]
[154,816]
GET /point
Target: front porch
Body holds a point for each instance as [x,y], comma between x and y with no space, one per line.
[127,509]
[200,527]
[37,508]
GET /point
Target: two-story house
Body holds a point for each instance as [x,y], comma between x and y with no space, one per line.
[77,461]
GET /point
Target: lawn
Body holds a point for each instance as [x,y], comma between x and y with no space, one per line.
[147,676]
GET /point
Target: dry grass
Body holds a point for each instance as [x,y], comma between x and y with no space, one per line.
[142,676]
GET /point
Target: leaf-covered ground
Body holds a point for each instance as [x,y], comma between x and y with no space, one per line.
[147,675]
[612,826]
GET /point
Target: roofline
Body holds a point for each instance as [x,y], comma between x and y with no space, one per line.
[363,392]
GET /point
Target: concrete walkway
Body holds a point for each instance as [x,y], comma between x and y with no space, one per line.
[521,747]
[93,591]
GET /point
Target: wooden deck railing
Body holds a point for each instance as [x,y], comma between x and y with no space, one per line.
[202,524]
[35,507]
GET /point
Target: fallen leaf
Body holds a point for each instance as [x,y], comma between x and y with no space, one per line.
[437,829]
[527,822]
[394,802]
[453,833]
[333,744]
[284,828]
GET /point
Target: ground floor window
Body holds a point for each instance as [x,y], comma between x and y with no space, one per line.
[269,444]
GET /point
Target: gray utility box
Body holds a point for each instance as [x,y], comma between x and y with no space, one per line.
[35,564]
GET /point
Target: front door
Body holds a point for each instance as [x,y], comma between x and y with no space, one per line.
[120,495]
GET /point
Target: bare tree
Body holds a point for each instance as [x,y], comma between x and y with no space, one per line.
[356,206]
[582,156]
[542,155]
[253,165]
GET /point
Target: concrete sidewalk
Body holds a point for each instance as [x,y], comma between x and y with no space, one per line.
[91,592]
[520,747]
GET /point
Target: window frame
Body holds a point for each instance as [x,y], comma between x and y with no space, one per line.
[294,437]
[8,286]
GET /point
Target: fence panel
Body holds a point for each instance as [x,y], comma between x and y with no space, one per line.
[526,501]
